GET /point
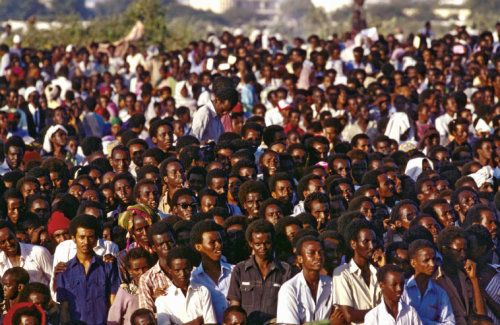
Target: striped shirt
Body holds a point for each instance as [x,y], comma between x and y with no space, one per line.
[151,281]
[493,290]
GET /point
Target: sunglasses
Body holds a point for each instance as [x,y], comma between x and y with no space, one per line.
[187,205]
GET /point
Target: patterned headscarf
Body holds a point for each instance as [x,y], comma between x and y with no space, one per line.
[126,219]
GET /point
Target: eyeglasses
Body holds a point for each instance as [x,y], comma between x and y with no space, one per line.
[187,205]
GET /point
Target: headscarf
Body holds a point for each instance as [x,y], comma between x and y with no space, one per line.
[414,167]
[126,219]
[47,146]
[57,222]
[483,175]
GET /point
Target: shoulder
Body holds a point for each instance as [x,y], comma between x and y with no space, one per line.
[38,251]
[341,270]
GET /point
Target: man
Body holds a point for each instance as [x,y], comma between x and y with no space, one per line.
[212,272]
[146,192]
[207,123]
[308,184]
[154,282]
[143,317]
[483,151]
[356,289]
[14,150]
[457,275]
[11,107]
[184,203]
[235,315]
[392,310]
[120,159]
[462,199]
[443,121]
[251,195]
[384,185]
[34,114]
[430,300]
[308,295]
[173,178]
[318,205]
[282,189]
[161,133]
[184,302]
[440,210]
[255,282]
[88,285]
[36,260]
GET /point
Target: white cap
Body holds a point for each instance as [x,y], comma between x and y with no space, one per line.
[29,91]
[69,48]
[16,39]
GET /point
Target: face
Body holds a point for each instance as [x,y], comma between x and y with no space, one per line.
[407,213]
[76,190]
[428,191]
[455,253]
[179,271]
[247,173]
[271,163]
[291,231]
[487,219]
[314,185]
[61,235]
[60,138]
[85,240]
[175,175]
[320,212]
[149,195]
[196,181]
[460,133]
[137,267]
[146,319]
[431,225]
[140,230]
[162,243]
[363,144]
[120,161]
[123,191]
[10,287]
[322,149]
[38,299]
[273,213]
[333,254]
[311,256]
[298,156]
[466,199]
[186,207]
[14,157]
[445,214]
[424,261]
[252,204]
[367,209]
[164,137]
[364,244]
[252,136]
[261,245]
[219,185]
[283,191]
[136,152]
[385,187]
[208,202]
[342,167]
[14,209]
[211,245]
[393,285]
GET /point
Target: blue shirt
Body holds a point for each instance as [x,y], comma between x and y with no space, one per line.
[88,294]
[434,307]
[218,290]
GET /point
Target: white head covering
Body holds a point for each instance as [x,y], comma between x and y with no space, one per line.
[28,92]
[16,39]
[482,126]
[47,146]
[484,175]
[414,167]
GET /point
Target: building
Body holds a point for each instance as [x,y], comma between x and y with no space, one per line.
[217,6]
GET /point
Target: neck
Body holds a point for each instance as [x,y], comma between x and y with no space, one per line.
[483,161]
[360,261]
[311,276]
[84,257]
[163,264]
[422,280]
[449,267]
[263,261]
[392,306]
[209,264]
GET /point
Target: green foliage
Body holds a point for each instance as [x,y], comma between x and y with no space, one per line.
[71,7]
[20,9]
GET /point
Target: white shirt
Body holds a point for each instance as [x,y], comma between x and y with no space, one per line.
[36,260]
[296,304]
[67,250]
[175,308]
[274,117]
[407,315]
[441,124]
[4,64]
[351,289]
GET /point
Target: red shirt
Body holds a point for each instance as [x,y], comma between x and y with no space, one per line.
[289,128]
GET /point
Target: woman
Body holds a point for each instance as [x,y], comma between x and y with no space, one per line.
[54,144]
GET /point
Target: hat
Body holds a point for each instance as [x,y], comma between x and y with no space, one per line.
[482,126]
[51,92]
[69,48]
[283,105]
[16,39]
[57,222]
[116,120]
[32,155]
[47,146]
[28,92]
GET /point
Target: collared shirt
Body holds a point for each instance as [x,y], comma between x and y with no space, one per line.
[296,304]
[88,294]
[66,250]
[207,124]
[351,289]
[151,281]
[163,206]
[218,290]
[5,168]
[433,307]
[352,129]
[36,260]
[407,315]
[175,308]
[274,117]
[493,290]
[461,302]
[256,295]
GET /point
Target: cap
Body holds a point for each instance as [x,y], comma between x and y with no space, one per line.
[17,39]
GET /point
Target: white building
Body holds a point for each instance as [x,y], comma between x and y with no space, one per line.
[217,6]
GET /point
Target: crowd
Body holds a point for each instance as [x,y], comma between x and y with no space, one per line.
[348,180]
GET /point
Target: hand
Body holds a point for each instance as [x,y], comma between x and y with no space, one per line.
[159,292]
[337,317]
[470,269]
[379,257]
[108,258]
[60,267]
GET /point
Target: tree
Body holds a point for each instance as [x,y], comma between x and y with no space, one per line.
[16,9]
[71,7]
[152,14]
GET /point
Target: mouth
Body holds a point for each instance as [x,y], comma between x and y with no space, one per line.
[218,252]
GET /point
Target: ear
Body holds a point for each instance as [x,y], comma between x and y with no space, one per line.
[420,196]
[73,238]
[300,260]
[353,245]
[154,140]
[413,263]
[456,207]
[274,195]
[198,247]
[20,287]
[165,179]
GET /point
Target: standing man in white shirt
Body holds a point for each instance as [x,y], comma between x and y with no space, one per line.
[356,290]
[392,311]
[36,260]
[307,296]
[443,121]
[184,302]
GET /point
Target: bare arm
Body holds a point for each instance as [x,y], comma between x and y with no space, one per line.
[352,315]
[470,269]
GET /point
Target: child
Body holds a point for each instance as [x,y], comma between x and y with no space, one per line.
[39,294]
[13,282]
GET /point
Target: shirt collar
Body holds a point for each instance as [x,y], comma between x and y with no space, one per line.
[252,263]
[211,108]
[75,262]
[225,268]
[354,268]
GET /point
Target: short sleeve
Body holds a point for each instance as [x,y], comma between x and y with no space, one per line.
[208,307]
[288,306]
[234,292]
[342,291]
